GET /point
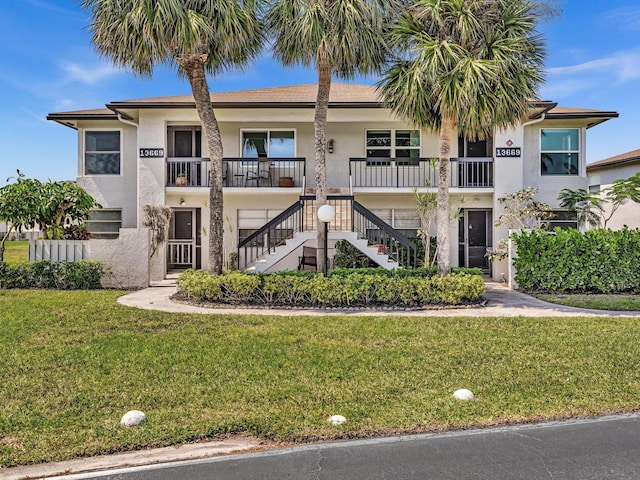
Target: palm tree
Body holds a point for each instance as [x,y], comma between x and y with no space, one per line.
[337,37]
[587,208]
[196,36]
[463,65]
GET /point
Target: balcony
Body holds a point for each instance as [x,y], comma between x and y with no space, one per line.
[419,172]
[238,172]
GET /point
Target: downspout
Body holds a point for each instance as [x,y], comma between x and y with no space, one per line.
[134,124]
[531,122]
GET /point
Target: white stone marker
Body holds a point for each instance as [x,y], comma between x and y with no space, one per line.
[463,394]
[133,417]
[337,419]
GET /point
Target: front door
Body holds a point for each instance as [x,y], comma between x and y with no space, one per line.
[474,238]
[184,251]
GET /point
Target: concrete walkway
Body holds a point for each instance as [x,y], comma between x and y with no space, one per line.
[501,302]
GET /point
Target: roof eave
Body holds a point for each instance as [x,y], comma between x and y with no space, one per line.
[596,117]
[117,106]
[603,166]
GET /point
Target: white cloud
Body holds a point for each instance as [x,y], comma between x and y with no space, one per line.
[53,8]
[625,17]
[623,66]
[88,75]
[615,69]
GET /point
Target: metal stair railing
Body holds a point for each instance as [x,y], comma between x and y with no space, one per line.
[271,235]
[389,240]
[351,216]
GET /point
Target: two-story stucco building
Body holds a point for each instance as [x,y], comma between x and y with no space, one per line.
[152,152]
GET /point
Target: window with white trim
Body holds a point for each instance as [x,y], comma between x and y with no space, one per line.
[559,151]
[392,143]
[268,143]
[251,220]
[104,223]
[102,152]
[405,220]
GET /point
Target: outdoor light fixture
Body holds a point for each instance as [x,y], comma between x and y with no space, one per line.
[182,202]
[330,145]
[326,214]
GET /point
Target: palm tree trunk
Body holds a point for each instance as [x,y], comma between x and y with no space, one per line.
[194,68]
[444,176]
[320,125]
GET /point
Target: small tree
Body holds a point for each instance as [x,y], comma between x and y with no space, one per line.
[587,208]
[59,202]
[620,192]
[27,203]
[156,219]
[18,206]
[427,203]
[521,210]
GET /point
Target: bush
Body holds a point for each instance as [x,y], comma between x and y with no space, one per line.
[80,275]
[360,287]
[569,261]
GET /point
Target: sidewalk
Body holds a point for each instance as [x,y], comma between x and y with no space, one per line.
[501,302]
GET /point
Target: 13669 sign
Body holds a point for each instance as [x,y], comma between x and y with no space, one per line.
[508,152]
[151,152]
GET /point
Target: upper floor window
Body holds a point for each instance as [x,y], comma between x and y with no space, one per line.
[269,143]
[393,143]
[102,152]
[559,151]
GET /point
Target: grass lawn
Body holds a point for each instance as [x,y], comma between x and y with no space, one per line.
[16,252]
[623,303]
[74,362]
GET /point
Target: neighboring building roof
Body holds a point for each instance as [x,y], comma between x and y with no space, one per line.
[624,158]
[342,95]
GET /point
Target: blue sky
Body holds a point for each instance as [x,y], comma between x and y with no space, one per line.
[47,64]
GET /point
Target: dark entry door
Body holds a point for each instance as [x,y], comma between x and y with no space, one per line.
[475,237]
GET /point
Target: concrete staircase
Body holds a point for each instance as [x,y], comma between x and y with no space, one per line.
[285,257]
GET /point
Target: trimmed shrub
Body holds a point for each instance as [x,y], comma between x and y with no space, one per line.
[80,275]
[564,261]
[358,288]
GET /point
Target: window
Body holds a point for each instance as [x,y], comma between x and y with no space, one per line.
[104,223]
[405,220]
[393,143]
[562,219]
[559,151]
[251,220]
[270,143]
[102,152]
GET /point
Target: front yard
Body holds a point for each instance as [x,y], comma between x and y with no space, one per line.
[16,252]
[74,362]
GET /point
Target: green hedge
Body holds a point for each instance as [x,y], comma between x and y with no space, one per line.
[80,275]
[358,288]
[565,261]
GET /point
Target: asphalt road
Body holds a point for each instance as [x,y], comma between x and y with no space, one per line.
[602,448]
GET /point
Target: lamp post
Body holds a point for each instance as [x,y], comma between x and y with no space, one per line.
[326,214]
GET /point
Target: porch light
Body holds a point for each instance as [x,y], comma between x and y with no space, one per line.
[182,202]
[330,145]
[326,214]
